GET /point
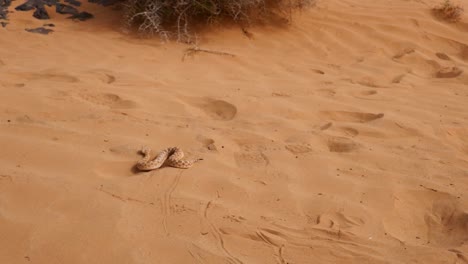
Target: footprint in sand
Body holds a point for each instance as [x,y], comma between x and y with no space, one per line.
[398,78]
[251,159]
[442,56]
[366,95]
[370,92]
[403,53]
[317,71]
[358,117]
[434,217]
[449,72]
[349,131]
[101,75]
[464,52]
[299,148]
[50,75]
[219,109]
[207,143]
[341,144]
[337,220]
[110,78]
[447,223]
[326,126]
[280,94]
[110,100]
[368,82]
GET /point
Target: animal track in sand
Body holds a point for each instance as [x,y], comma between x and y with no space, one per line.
[442,56]
[299,148]
[218,235]
[387,129]
[318,71]
[109,99]
[110,78]
[418,63]
[338,221]
[404,52]
[115,101]
[234,218]
[326,126]
[102,75]
[368,82]
[456,136]
[345,116]
[207,143]
[219,109]
[50,75]
[251,159]
[464,52]
[435,217]
[280,94]
[398,78]
[341,144]
[349,131]
[181,208]
[449,72]
[447,223]
[366,95]
[428,215]
[370,92]
[257,143]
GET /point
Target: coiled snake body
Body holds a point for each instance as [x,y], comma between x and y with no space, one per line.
[172,156]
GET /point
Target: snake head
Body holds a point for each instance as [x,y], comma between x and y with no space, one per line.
[145,150]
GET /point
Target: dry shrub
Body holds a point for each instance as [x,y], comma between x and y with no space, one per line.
[448,11]
[178,18]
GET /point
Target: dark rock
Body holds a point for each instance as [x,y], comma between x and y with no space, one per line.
[73,2]
[82,16]
[104,2]
[3,13]
[4,24]
[39,30]
[49,2]
[49,25]
[66,9]
[4,4]
[29,5]
[41,13]
[39,5]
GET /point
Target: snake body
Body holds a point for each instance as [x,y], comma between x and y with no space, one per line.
[172,157]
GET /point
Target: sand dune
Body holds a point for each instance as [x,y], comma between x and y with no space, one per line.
[339,139]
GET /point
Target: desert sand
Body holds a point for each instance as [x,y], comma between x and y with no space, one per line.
[341,138]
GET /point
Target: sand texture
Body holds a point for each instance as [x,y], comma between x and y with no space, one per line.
[342,138]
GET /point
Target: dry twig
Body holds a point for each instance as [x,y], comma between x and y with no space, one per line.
[193,50]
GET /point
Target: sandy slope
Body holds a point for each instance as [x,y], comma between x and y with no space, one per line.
[342,139]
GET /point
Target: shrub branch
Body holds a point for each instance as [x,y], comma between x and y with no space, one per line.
[178,18]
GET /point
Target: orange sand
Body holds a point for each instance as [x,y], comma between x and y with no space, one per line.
[340,139]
